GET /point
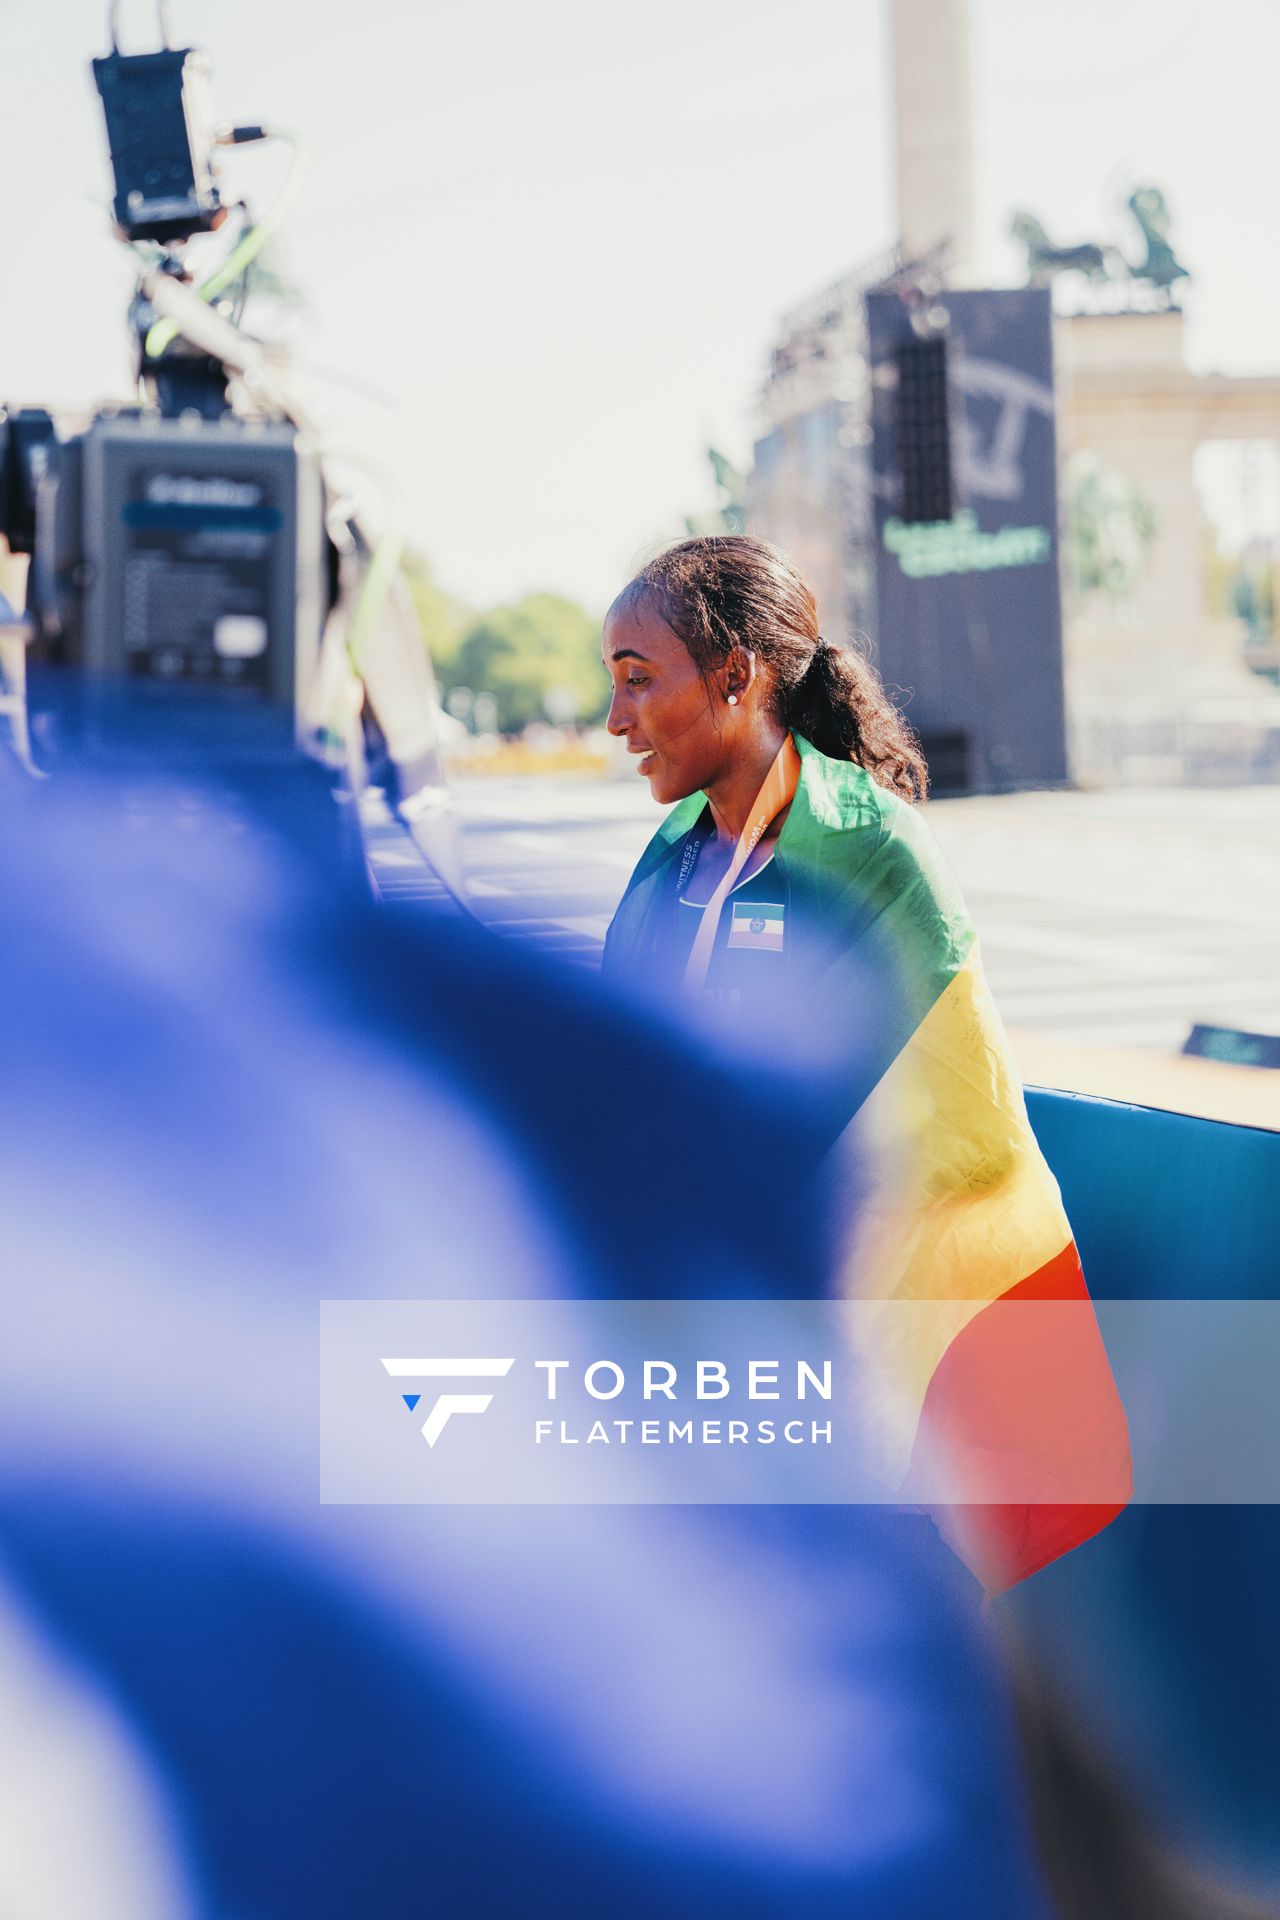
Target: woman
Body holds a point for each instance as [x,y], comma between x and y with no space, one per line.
[794,866]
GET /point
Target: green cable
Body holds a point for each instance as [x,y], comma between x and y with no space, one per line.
[246,250]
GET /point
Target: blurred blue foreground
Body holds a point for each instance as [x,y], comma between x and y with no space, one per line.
[233,1090]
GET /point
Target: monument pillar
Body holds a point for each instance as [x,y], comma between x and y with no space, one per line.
[934,130]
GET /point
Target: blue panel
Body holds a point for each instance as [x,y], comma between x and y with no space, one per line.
[1164,1205]
[178,518]
[1160,1633]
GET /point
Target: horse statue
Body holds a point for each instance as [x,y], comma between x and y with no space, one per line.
[1045,261]
[1161,268]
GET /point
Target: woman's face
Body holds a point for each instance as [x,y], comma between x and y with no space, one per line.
[662,706]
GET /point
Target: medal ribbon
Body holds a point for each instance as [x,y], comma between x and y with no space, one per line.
[778,791]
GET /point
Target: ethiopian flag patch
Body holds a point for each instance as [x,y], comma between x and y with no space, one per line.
[758,924]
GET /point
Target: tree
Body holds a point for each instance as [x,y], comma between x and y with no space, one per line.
[539,659]
[444,620]
[1110,526]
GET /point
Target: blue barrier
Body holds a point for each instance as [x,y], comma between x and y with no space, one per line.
[1165,1206]
[1160,1633]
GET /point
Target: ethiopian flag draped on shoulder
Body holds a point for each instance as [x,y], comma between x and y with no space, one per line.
[963,1226]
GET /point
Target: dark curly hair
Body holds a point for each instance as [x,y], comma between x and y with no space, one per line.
[722,591]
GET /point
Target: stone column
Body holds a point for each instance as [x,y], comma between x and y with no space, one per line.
[934,133]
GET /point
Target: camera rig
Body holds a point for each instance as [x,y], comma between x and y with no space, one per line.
[193,548]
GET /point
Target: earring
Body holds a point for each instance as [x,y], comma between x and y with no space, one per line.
[733,699]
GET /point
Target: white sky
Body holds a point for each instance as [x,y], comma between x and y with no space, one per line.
[560,232]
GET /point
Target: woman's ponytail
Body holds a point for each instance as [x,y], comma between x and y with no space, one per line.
[839,704]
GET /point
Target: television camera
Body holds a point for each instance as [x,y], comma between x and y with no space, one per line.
[191,553]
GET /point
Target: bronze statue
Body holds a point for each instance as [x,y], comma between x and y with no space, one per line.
[1161,267]
[1159,270]
[1045,261]
[730,514]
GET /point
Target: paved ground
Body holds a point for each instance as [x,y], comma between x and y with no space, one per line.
[1107,919]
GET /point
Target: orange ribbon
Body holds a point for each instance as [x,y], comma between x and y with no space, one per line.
[778,791]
